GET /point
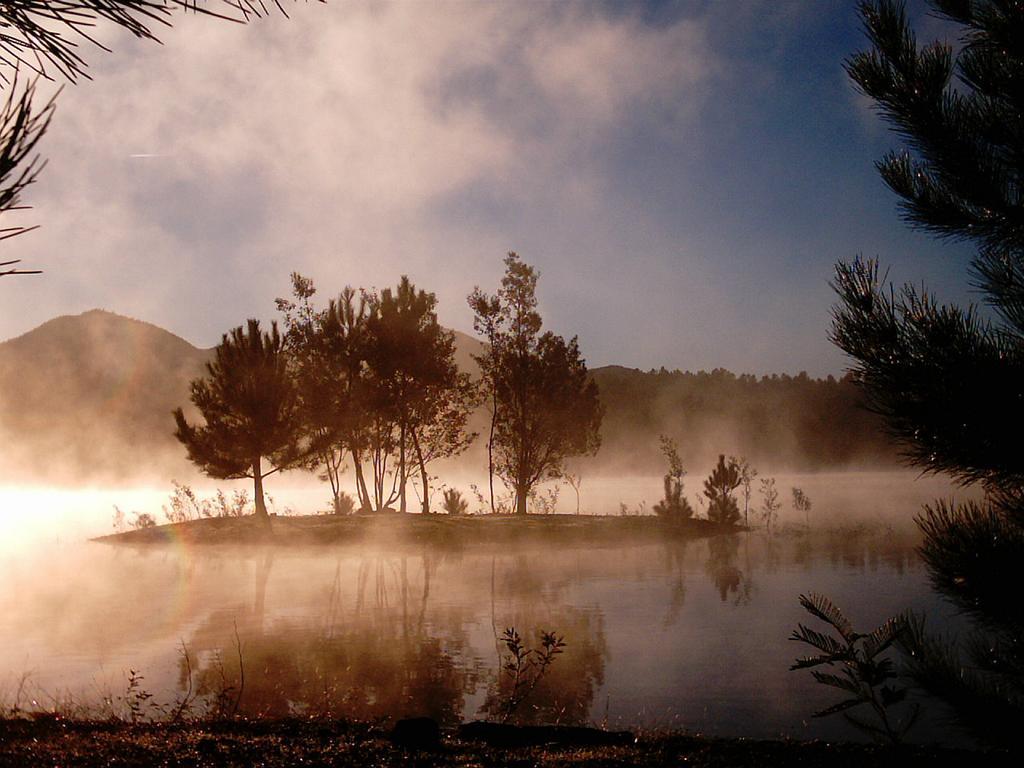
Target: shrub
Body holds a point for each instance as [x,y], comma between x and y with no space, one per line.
[453,503]
[674,506]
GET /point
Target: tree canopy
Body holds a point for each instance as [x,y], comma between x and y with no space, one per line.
[249,402]
[545,406]
[376,376]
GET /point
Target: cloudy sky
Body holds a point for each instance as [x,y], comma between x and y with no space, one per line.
[684,175]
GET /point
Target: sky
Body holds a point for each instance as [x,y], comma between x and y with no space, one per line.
[684,175]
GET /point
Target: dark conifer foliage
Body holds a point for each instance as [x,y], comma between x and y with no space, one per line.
[718,488]
[250,404]
[44,35]
[950,383]
[22,124]
[544,405]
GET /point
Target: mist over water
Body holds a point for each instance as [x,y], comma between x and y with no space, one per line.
[683,634]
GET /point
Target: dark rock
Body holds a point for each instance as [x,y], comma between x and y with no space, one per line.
[417,733]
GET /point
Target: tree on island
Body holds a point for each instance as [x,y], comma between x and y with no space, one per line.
[747,476]
[949,381]
[545,406]
[377,376]
[326,351]
[410,361]
[249,402]
[674,505]
[723,480]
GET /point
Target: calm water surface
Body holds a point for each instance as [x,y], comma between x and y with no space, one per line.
[689,635]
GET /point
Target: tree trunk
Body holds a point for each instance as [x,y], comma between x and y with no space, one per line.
[334,477]
[521,493]
[361,492]
[490,446]
[423,473]
[401,471]
[257,478]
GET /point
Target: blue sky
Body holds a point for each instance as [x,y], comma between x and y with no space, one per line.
[684,175]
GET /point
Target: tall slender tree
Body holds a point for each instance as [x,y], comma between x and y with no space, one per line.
[545,405]
[411,363]
[326,350]
[950,381]
[249,403]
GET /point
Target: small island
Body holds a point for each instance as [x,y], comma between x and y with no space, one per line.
[443,530]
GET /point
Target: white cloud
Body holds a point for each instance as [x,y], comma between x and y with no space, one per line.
[329,143]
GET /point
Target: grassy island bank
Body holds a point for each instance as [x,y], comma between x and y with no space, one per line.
[453,530]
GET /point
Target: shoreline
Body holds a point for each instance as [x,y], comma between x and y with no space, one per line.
[416,528]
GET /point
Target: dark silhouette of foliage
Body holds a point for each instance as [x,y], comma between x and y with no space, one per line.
[770,503]
[326,353]
[45,33]
[525,667]
[802,503]
[453,503]
[747,476]
[718,488]
[377,377]
[22,124]
[249,402]
[410,362]
[545,406]
[725,574]
[11,270]
[575,481]
[565,693]
[865,676]
[949,382]
[674,506]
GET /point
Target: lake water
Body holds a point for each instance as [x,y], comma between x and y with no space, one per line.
[686,635]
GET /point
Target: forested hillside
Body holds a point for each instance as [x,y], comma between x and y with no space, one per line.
[778,421]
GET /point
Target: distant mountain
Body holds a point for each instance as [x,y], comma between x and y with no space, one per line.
[90,396]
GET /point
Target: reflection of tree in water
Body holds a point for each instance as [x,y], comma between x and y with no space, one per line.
[565,693]
[380,664]
[536,575]
[721,567]
[675,569]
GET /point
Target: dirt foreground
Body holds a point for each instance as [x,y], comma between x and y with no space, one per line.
[50,741]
